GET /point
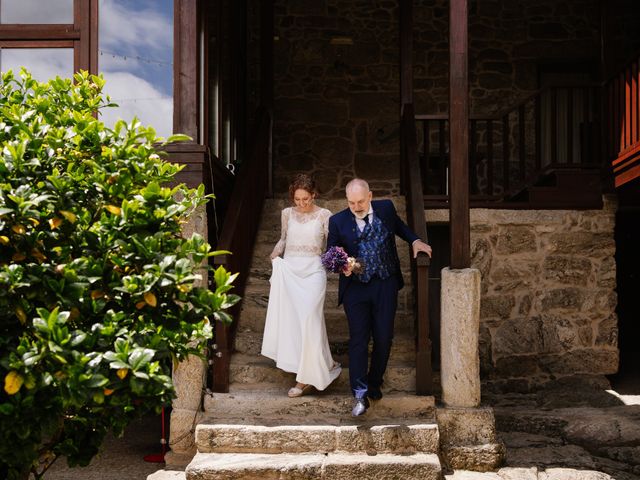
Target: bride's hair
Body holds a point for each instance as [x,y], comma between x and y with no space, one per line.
[304,182]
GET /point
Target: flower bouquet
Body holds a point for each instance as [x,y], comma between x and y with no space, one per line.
[336,260]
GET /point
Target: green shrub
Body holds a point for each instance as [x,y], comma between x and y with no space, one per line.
[98,289]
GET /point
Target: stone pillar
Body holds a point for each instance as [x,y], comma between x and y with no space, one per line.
[460,326]
[188,379]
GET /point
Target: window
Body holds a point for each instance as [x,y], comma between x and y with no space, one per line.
[135,54]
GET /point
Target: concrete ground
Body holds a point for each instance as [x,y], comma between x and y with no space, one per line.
[572,431]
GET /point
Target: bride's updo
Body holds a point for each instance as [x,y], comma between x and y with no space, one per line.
[304,182]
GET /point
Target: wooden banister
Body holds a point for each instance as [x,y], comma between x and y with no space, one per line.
[420,268]
[238,236]
[557,125]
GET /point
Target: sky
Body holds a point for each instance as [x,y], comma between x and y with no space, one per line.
[135,54]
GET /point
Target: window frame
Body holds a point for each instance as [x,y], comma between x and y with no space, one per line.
[81,35]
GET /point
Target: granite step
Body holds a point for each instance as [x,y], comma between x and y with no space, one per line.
[401,438]
[268,405]
[333,466]
[400,376]
[249,342]
[252,317]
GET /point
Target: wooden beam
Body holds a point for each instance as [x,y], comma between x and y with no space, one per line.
[185,69]
[406,52]
[38,32]
[459,133]
[266,53]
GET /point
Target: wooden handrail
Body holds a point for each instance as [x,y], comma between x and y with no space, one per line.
[420,268]
[238,236]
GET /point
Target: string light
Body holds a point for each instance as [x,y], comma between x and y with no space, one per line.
[136,57]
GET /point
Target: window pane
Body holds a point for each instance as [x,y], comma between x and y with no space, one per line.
[43,63]
[36,11]
[135,54]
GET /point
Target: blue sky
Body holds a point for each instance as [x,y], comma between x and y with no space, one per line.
[135,54]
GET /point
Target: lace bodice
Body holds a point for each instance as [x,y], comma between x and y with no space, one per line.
[303,234]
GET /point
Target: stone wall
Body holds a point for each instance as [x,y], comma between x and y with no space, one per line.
[337,79]
[548,293]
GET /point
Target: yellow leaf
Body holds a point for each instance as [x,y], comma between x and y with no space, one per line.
[34,222]
[122,373]
[184,288]
[4,240]
[71,217]
[113,209]
[55,222]
[37,254]
[141,305]
[19,229]
[107,392]
[18,257]
[21,315]
[95,294]
[12,382]
[150,298]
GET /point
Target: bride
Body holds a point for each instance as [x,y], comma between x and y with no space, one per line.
[295,335]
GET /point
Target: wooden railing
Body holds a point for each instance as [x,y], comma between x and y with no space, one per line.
[238,235]
[622,111]
[555,127]
[410,169]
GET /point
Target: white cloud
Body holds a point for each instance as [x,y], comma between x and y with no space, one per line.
[36,11]
[137,97]
[143,31]
[43,63]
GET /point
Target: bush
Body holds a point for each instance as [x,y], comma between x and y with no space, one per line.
[98,289]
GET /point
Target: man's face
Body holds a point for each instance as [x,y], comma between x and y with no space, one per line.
[359,200]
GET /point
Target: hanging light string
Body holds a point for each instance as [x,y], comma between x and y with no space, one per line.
[136,57]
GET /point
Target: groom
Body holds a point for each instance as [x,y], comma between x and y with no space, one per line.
[367,230]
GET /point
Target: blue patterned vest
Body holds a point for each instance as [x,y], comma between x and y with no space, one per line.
[377,251]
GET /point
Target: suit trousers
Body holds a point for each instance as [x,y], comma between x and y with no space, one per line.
[371,309]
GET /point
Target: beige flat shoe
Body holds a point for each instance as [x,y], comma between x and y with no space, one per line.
[298,392]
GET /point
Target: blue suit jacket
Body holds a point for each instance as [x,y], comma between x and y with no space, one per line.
[343,232]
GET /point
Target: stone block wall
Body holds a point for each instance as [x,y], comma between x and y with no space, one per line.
[548,293]
[337,80]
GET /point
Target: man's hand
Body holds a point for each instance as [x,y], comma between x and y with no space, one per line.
[420,246]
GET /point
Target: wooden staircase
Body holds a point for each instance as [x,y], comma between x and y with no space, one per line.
[256,431]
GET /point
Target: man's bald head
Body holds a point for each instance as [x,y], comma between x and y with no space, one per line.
[358,197]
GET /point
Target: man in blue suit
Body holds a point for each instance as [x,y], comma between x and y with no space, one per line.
[367,230]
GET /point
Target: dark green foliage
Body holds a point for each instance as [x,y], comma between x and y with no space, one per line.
[98,289]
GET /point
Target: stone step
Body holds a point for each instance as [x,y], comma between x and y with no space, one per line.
[269,405]
[253,315]
[333,466]
[400,438]
[257,291]
[249,342]
[400,376]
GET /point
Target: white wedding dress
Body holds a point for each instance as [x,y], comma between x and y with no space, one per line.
[295,335]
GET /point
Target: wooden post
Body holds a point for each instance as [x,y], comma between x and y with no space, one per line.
[266,73]
[406,68]
[185,70]
[459,134]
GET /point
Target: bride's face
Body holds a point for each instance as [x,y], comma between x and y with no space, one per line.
[303,200]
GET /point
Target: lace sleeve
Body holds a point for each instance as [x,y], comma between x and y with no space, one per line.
[278,250]
[325,228]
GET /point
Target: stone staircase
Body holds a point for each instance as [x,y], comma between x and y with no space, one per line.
[256,431]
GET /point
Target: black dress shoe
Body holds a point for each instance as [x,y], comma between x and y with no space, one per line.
[374,394]
[359,407]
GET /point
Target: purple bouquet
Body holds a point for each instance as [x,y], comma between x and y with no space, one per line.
[336,260]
